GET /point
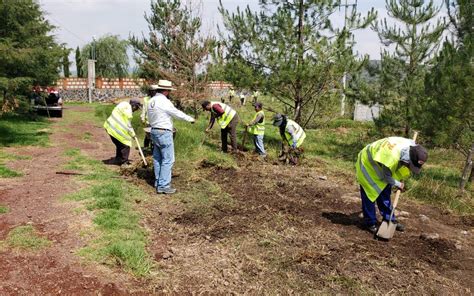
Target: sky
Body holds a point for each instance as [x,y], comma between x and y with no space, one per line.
[78,21]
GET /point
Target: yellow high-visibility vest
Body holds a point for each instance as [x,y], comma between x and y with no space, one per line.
[259,127]
[144,115]
[225,118]
[300,135]
[118,124]
[386,151]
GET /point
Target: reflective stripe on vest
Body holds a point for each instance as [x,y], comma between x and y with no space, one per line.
[259,127]
[118,124]
[369,171]
[300,135]
[225,118]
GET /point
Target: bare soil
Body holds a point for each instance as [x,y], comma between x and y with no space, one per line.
[272,229]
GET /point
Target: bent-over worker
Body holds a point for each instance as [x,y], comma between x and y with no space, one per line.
[292,135]
[119,127]
[381,165]
[227,119]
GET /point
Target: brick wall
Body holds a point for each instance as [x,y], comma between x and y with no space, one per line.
[106,89]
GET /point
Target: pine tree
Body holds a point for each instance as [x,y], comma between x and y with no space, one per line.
[29,55]
[293,45]
[78,63]
[415,41]
[65,61]
[449,107]
[176,49]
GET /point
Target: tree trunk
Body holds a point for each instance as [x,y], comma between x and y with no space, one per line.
[299,61]
[467,169]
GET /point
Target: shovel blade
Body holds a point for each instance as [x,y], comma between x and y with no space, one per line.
[386,230]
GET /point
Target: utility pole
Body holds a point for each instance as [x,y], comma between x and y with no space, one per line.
[91,71]
[344,77]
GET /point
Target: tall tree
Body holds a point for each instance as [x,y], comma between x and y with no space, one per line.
[414,41]
[176,49]
[29,55]
[449,107]
[295,48]
[110,54]
[65,60]
[78,63]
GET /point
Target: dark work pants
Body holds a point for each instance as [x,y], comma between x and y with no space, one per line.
[232,129]
[383,203]
[122,151]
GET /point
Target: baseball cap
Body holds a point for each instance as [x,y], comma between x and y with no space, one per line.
[418,156]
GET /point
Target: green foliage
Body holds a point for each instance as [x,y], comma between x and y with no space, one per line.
[7,173]
[21,130]
[294,50]
[65,61]
[26,237]
[29,54]
[401,84]
[175,49]
[110,54]
[78,59]
[3,209]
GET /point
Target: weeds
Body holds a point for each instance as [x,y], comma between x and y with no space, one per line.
[3,209]
[26,237]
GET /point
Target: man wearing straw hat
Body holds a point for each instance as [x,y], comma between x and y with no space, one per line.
[160,115]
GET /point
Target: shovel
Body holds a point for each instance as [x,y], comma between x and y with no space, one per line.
[141,152]
[387,229]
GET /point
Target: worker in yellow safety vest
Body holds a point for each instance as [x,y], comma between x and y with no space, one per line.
[292,135]
[257,128]
[381,165]
[227,119]
[120,130]
[231,95]
[152,91]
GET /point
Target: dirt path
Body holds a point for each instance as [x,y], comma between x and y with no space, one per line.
[35,199]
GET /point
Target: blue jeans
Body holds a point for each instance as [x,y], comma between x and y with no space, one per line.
[258,142]
[383,203]
[163,157]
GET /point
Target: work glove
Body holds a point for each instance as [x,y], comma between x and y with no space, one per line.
[132,133]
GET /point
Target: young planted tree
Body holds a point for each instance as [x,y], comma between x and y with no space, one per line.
[110,54]
[176,49]
[403,70]
[29,55]
[293,46]
[78,63]
[449,107]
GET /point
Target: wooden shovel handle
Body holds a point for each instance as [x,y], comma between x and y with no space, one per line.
[395,201]
[415,135]
[141,152]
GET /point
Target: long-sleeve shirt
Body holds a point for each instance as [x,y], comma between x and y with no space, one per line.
[161,112]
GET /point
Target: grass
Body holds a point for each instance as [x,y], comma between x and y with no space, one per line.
[120,240]
[6,172]
[3,209]
[23,130]
[25,238]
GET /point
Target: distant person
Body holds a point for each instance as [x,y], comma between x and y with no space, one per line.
[147,143]
[119,127]
[227,119]
[292,135]
[242,99]
[257,128]
[231,95]
[255,96]
[380,166]
[160,114]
